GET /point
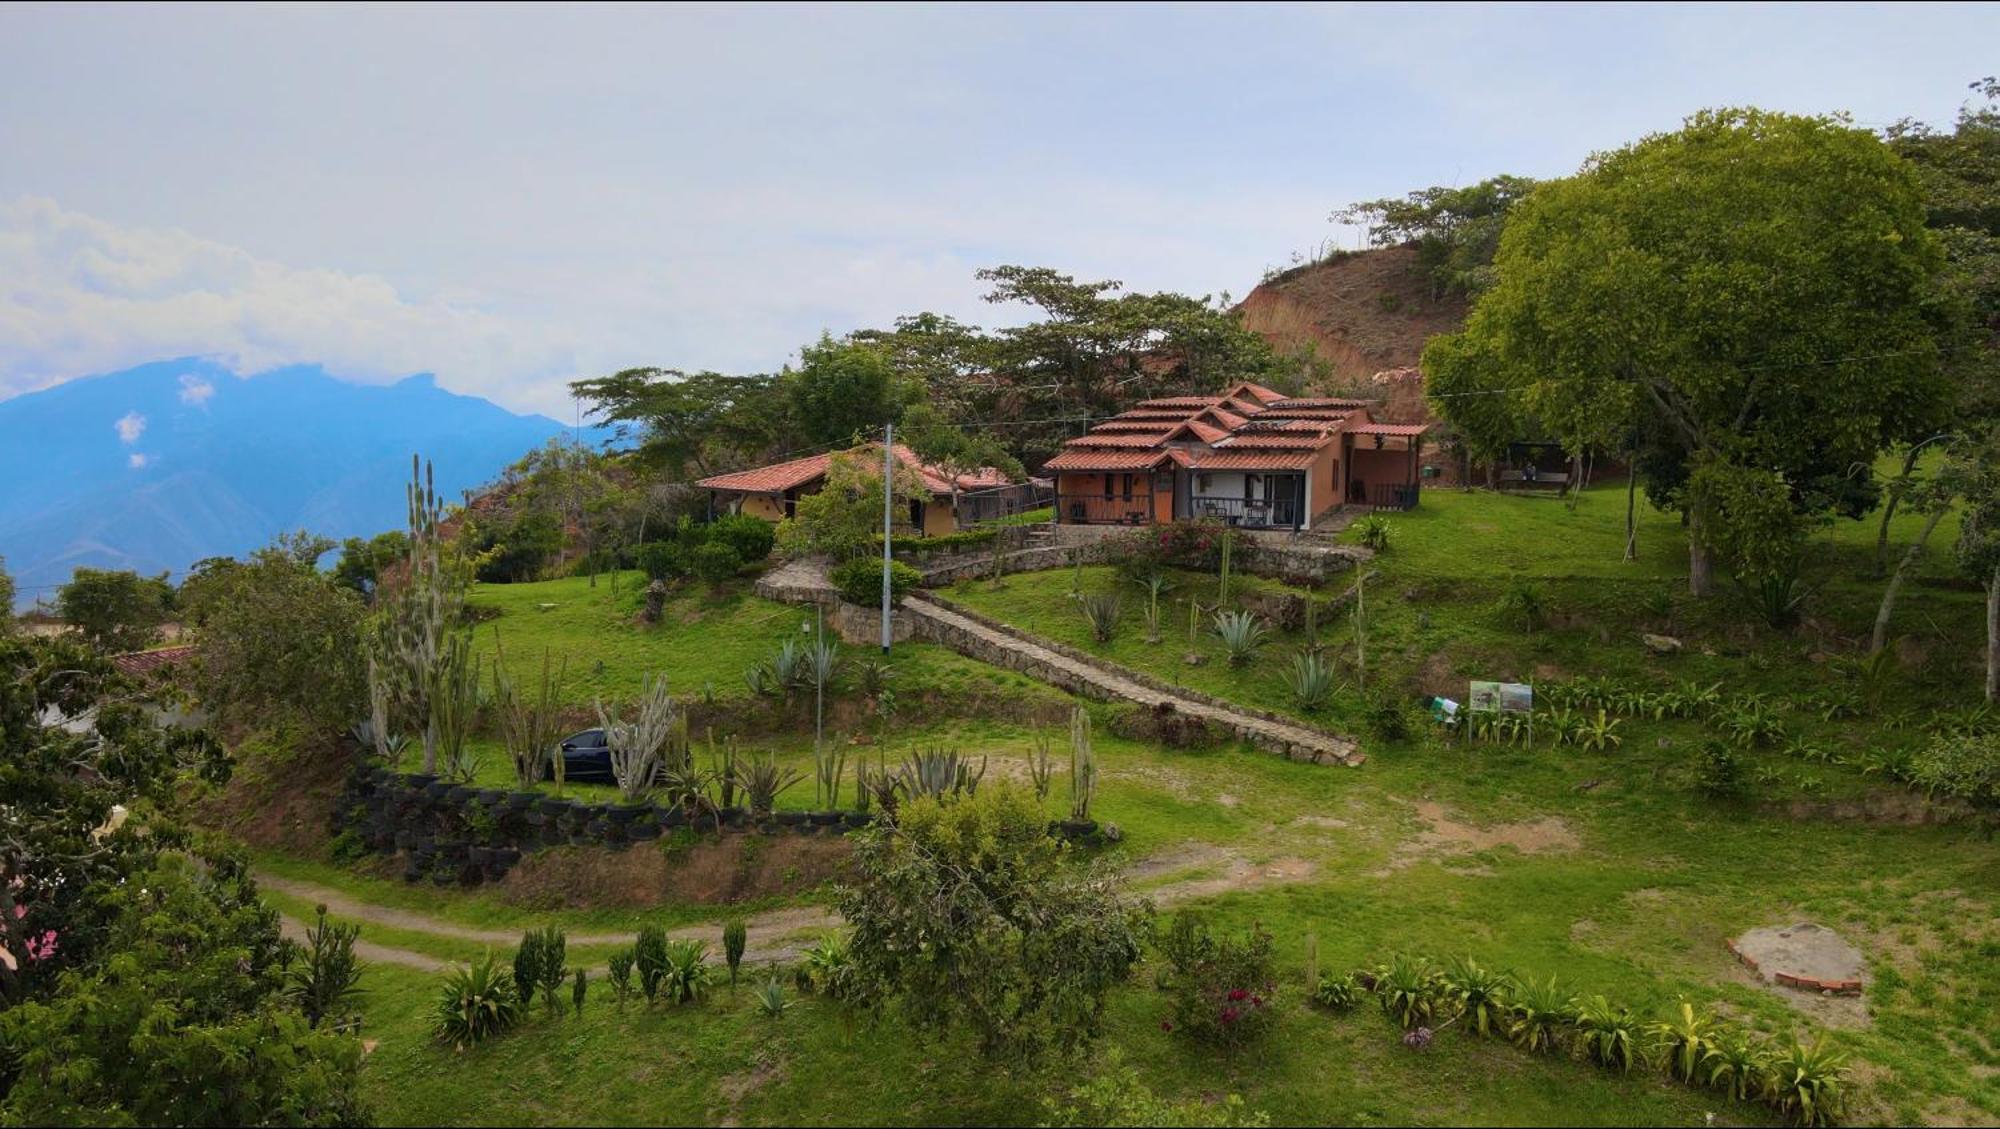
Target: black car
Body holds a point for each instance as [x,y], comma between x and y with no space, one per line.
[586,757]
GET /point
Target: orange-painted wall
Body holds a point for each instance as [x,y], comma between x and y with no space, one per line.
[1325,475]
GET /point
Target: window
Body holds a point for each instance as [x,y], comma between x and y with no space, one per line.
[1107,487]
[1128,487]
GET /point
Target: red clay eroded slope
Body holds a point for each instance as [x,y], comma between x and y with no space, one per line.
[1363,312]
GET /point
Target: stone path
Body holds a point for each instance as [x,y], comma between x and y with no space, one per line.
[1068,671]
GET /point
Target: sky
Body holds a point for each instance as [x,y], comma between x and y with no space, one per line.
[515,197]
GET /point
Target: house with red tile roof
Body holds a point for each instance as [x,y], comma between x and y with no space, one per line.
[956,500]
[1250,456]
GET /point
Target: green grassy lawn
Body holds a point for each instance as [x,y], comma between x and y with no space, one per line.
[1607,868]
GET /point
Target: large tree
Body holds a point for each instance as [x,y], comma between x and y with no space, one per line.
[280,639]
[1752,289]
[1456,230]
[843,391]
[691,423]
[115,610]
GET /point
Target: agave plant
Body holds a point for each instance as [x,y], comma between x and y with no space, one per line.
[1312,684]
[1541,1016]
[788,668]
[762,779]
[1687,1040]
[771,999]
[1609,1034]
[1408,989]
[1242,633]
[1100,611]
[1803,1081]
[940,774]
[1479,993]
[477,1002]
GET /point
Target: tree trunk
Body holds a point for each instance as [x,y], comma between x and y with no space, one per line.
[1631,510]
[1889,511]
[1889,594]
[1701,569]
[1993,637]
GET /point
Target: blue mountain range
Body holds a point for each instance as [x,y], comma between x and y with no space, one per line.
[159,466]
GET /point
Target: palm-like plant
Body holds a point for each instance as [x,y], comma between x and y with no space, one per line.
[1803,1081]
[1479,993]
[687,973]
[1311,679]
[1736,1064]
[1599,734]
[1541,1016]
[1242,633]
[1154,584]
[1687,1040]
[1408,989]
[476,1002]
[1609,1034]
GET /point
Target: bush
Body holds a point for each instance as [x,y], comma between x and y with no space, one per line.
[1718,772]
[1962,766]
[1372,531]
[662,560]
[859,581]
[967,919]
[1222,987]
[715,562]
[751,537]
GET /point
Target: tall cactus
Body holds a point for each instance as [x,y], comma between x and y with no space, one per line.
[420,624]
[1082,766]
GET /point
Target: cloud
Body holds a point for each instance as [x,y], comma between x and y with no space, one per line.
[195,390]
[130,427]
[137,461]
[84,295]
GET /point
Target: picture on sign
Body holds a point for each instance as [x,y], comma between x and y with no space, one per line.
[1501,697]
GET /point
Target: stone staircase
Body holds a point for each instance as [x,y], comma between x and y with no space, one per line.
[989,641]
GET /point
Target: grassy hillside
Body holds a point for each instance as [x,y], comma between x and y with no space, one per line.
[1606,867]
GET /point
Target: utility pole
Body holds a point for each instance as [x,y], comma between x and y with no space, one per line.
[888,513]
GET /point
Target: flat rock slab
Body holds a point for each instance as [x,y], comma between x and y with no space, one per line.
[1805,956]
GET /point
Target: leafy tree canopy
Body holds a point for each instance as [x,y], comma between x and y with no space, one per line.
[115,611]
[1633,298]
[1455,230]
[966,917]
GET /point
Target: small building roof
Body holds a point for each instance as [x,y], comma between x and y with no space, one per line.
[780,477]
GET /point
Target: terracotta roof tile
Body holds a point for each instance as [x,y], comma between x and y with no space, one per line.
[1118,439]
[146,662]
[1249,460]
[1389,428]
[780,477]
[1075,459]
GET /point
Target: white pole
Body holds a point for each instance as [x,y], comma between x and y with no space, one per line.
[888,512]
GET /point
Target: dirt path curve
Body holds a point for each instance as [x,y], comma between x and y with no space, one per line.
[779,935]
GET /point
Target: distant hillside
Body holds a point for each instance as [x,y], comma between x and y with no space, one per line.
[156,467]
[1362,312]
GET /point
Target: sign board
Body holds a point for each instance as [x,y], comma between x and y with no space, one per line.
[1502,697]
